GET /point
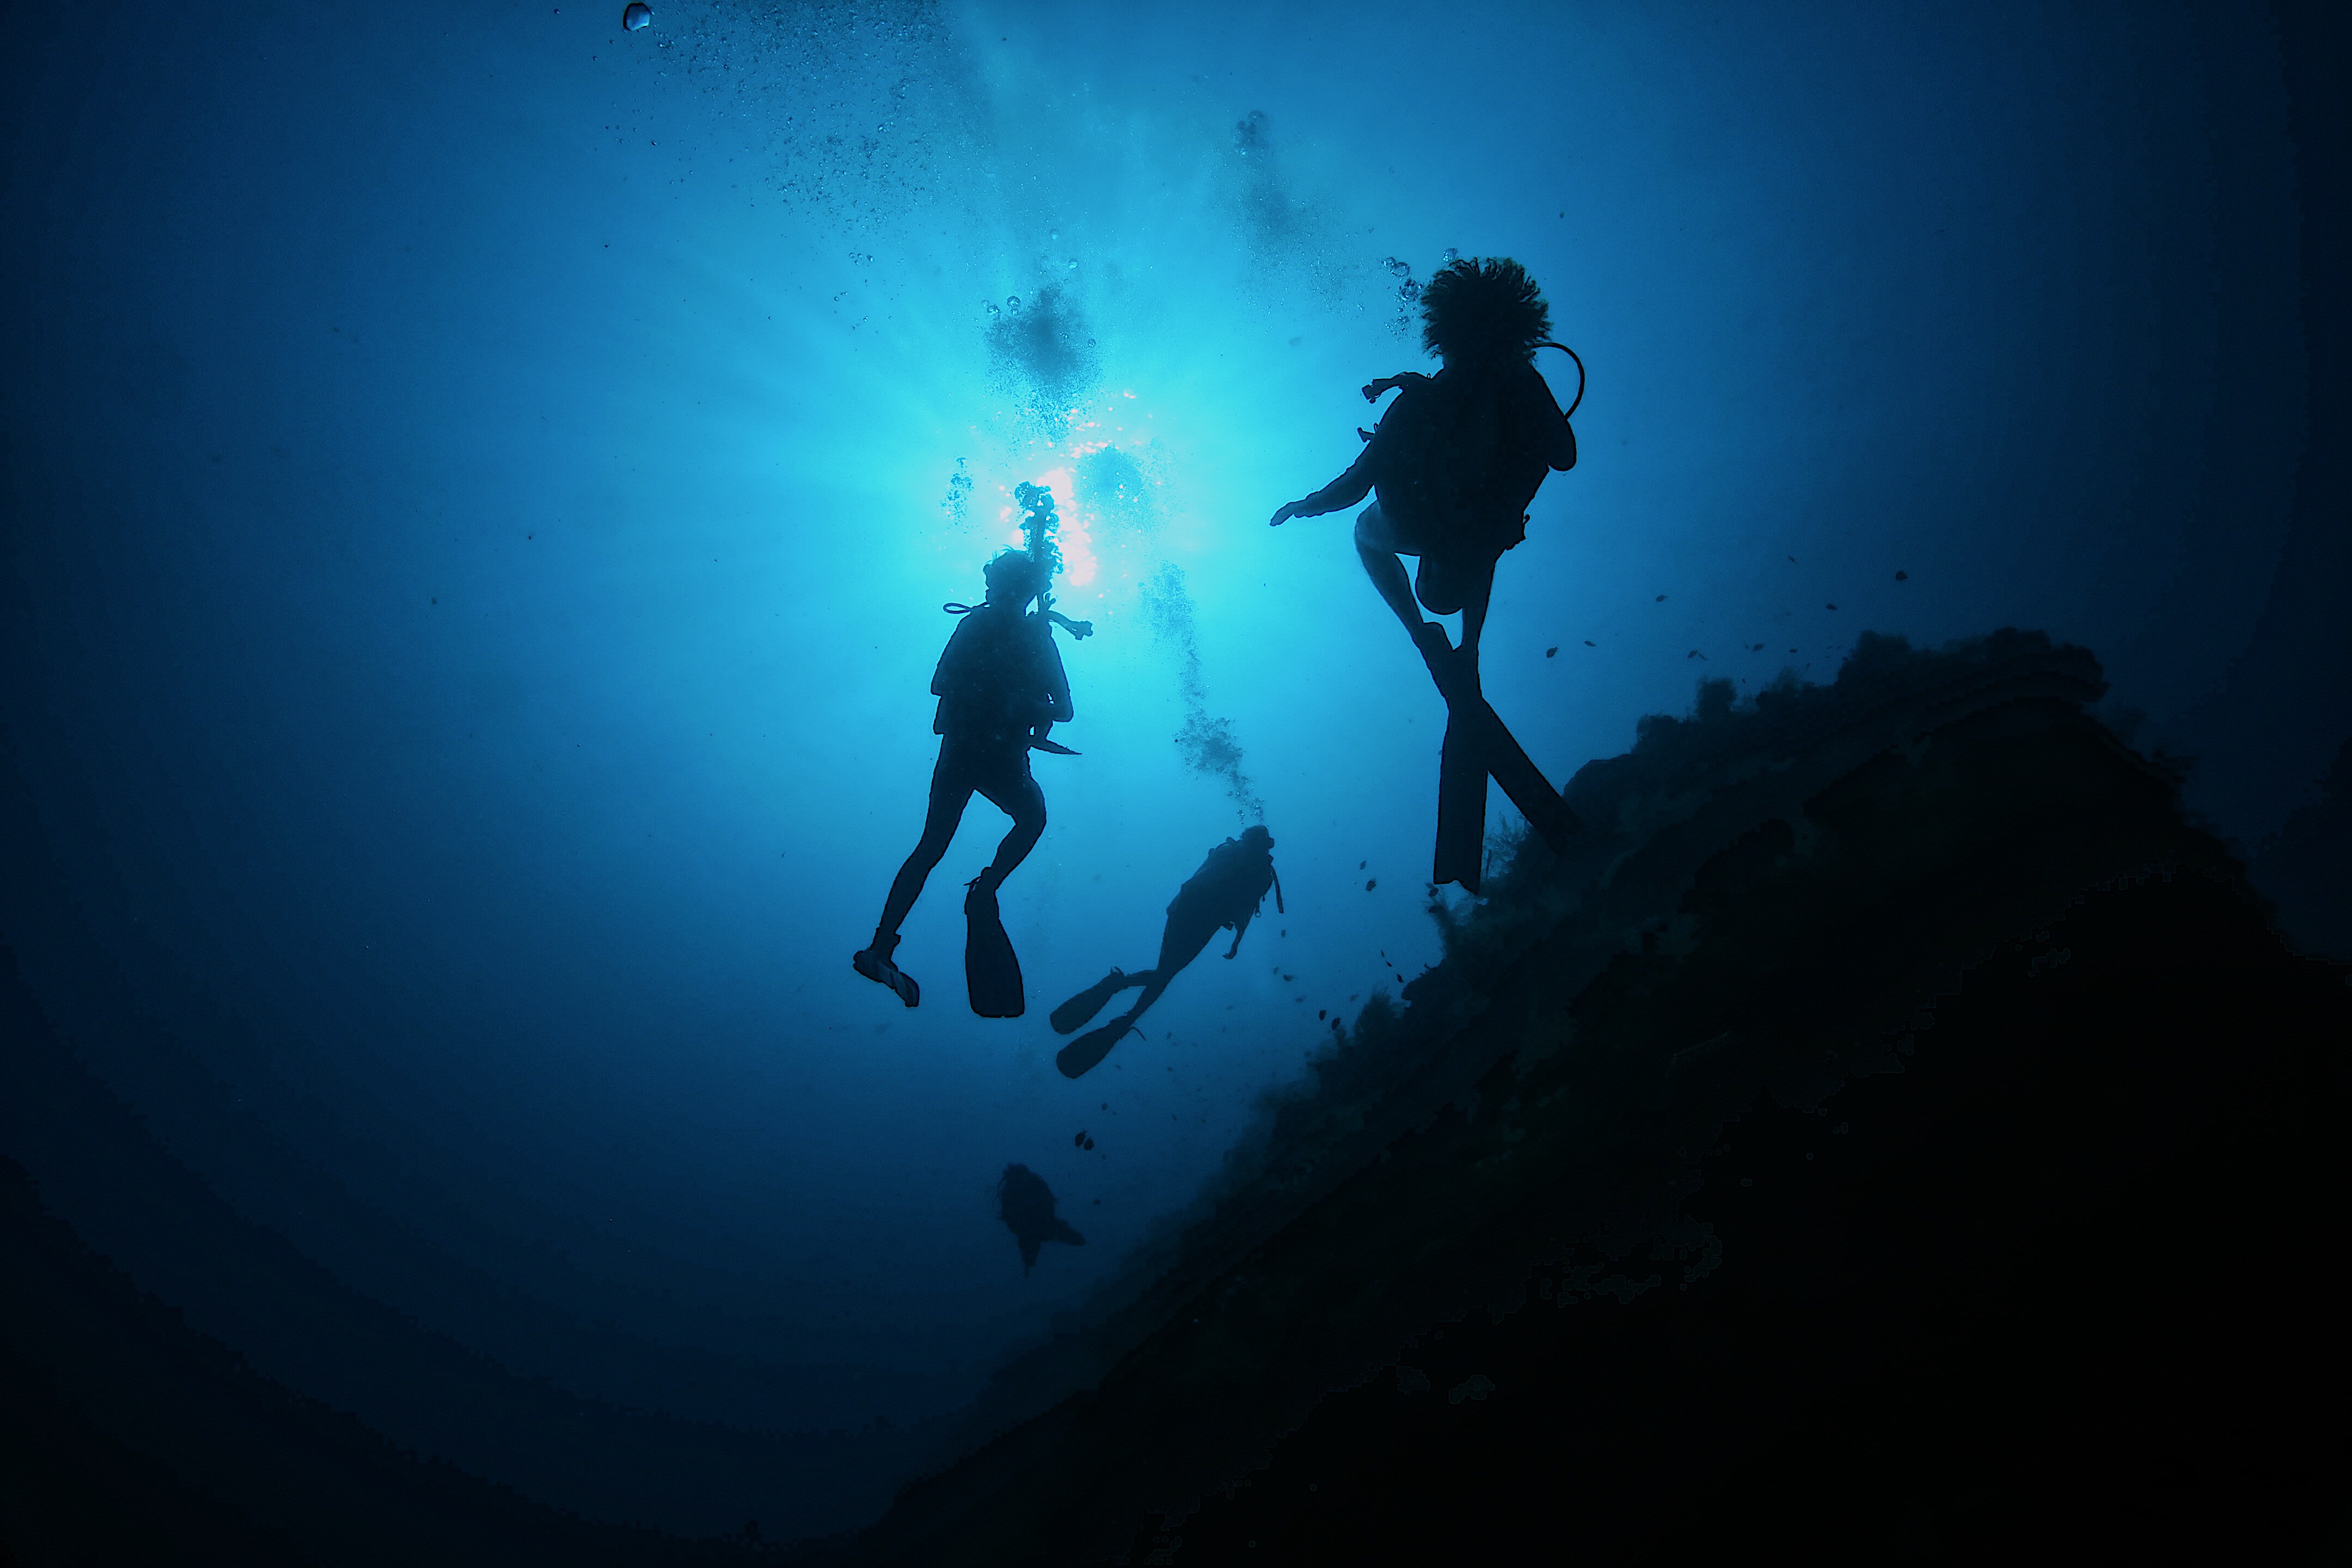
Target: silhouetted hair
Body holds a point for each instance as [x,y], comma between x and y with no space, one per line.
[1475,307]
[1014,570]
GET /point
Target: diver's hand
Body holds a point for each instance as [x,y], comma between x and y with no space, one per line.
[1373,389]
[1285,512]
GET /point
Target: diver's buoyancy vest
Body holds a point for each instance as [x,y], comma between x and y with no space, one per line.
[1231,883]
[1458,457]
[993,679]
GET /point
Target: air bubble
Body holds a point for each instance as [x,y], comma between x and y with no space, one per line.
[1012,302]
[636,15]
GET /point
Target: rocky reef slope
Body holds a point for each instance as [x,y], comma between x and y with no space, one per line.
[1893,1126]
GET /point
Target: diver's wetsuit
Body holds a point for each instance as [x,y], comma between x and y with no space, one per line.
[1455,461]
[1000,681]
[1225,892]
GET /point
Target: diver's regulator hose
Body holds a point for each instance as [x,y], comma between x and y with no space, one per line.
[1373,390]
[1548,343]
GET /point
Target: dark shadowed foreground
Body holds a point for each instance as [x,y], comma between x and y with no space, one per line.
[1892,1129]
[1896,1129]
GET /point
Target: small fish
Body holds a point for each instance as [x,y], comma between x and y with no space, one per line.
[1833,606]
[1590,643]
[1552,652]
[1371,882]
[1903,576]
[1659,600]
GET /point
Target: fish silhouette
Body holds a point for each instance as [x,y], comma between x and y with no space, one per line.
[1026,1206]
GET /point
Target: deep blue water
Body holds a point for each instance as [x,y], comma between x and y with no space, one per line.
[481,485]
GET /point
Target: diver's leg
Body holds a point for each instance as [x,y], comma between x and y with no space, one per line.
[1477,589]
[951,787]
[1180,943]
[1376,546]
[1018,796]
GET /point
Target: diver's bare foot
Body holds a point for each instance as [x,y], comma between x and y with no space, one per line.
[882,972]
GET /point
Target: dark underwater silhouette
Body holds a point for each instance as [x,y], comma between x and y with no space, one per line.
[1820,1115]
[1026,1204]
[1001,688]
[1454,465]
[1224,894]
[992,970]
[1859,1138]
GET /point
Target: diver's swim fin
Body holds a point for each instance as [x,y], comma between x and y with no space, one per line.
[1075,1012]
[1090,1047]
[1461,807]
[1476,738]
[991,972]
[878,968]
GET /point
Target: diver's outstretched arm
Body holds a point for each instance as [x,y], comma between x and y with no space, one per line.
[1346,490]
[1372,390]
[1240,926]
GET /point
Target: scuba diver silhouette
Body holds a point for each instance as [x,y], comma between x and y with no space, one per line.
[1001,688]
[1455,462]
[1223,894]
